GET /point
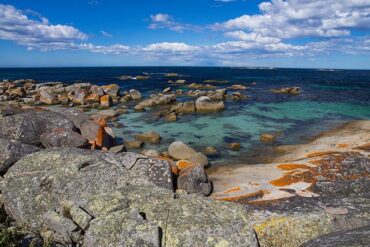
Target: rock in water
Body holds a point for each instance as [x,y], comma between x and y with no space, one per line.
[149,137]
[11,151]
[135,94]
[60,137]
[181,151]
[206,104]
[27,127]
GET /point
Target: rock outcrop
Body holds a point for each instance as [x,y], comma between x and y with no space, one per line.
[75,196]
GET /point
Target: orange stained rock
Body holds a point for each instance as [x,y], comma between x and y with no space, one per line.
[243,198]
[106,100]
[365,147]
[342,145]
[184,164]
[232,190]
[293,166]
[295,177]
[174,168]
[93,97]
[316,154]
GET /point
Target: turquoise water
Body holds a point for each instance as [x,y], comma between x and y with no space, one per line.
[216,130]
[328,99]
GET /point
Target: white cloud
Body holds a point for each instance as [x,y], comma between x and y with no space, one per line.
[171,47]
[17,26]
[303,18]
[165,21]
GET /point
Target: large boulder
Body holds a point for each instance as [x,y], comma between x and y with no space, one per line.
[55,175]
[194,180]
[27,127]
[11,151]
[75,196]
[77,116]
[206,104]
[181,151]
[60,137]
[112,89]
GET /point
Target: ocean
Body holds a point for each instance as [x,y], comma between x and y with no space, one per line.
[328,99]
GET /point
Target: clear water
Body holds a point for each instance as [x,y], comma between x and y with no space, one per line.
[328,99]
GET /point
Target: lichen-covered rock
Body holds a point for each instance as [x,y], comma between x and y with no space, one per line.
[122,228]
[356,238]
[27,127]
[41,181]
[194,179]
[60,137]
[11,151]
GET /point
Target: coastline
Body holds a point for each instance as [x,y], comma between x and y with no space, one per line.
[239,182]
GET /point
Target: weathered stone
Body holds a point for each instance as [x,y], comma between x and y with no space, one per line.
[205,104]
[151,153]
[118,149]
[172,117]
[149,137]
[79,96]
[234,146]
[132,228]
[11,151]
[187,107]
[267,138]
[27,127]
[238,87]
[135,94]
[95,89]
[77,116]
[181,151]
[356,237]
[106,101]
[134,144]
[112,89]
[287,90]
[106,114]
[194,180]
[44,174]
[48,99]
[93,97]
[89,130]
[60,137]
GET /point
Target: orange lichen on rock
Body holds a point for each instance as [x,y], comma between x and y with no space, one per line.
[317,154]
[244,198]
[365,147]
[232,190]
[184,164]
[293,166]
[342,145]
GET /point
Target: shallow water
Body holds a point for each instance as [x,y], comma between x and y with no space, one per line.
[328,99]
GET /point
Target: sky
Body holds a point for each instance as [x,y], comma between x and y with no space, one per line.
[275,33]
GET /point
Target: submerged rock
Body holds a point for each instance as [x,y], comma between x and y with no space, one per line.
[149,137]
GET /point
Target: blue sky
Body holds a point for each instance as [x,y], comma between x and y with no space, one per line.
[278,33]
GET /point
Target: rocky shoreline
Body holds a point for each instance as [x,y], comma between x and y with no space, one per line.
[67,180]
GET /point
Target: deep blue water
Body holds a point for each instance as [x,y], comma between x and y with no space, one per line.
[328,99]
